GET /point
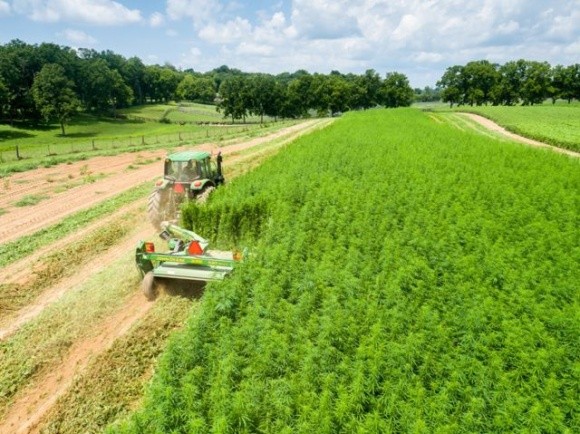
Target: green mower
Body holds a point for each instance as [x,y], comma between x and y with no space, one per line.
[187,259]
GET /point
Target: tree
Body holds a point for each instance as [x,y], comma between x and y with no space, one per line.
[4,97]
[104,88]
[452,85]
[479,78]
[536,82]
[233,98]
[566,82]
[396,91]
[54,94]
[133,72]
[196,88]
[299,98]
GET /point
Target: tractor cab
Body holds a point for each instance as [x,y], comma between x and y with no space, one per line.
[187,175]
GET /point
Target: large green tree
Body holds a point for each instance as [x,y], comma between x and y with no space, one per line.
[196,88]
[103,88]
[54,95]
[396,91]
[452,83]
[234,98]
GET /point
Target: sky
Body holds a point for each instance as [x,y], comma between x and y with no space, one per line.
[419,38]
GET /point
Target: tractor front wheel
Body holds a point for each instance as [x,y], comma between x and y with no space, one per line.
[149,287]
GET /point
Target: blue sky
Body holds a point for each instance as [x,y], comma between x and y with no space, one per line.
[419,38]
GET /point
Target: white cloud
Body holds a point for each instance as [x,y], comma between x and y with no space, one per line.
[228,33]
[200,11]
[250,48]
[99,12]
[425,57]
[78,37]
[323,19]
[408,25]
[156,19]
[4,8]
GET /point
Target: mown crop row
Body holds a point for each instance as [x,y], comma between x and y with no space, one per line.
[403,276]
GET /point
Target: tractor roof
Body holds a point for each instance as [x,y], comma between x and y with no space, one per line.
[188,155]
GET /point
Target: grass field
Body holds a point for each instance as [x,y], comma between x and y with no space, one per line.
[25,148]
[404,276]
[141,128]
[557,125]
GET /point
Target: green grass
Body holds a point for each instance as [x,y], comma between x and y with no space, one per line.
[34,155]
[141,128]
[30,199]
[557,125]
[437,294]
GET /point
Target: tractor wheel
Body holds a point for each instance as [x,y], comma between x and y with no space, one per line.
[202,197]
[160,207]
[149,287]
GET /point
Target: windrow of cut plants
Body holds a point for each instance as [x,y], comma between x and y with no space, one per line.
[403,276]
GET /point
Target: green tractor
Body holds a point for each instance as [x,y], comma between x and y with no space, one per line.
[188,175]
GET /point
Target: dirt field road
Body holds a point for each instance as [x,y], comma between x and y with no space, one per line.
[492,126]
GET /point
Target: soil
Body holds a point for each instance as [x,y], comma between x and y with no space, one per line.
[492,126]
[90,181]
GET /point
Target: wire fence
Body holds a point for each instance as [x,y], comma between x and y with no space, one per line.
[9,153]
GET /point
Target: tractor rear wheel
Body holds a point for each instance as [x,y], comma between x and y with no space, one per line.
[160,207]
[149,287]
[202,197]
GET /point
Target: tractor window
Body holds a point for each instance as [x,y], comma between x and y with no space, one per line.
[191,170]
[173,168]
[206,168]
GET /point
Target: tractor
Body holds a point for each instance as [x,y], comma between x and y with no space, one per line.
[188,175]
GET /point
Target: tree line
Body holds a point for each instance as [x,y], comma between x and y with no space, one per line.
[52,82]
[516,82]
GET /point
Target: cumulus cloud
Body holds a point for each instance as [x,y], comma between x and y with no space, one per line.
[323,19]
[227,33]
[78,37]
[99,12]
[156,19]
[4,8]
[199,11]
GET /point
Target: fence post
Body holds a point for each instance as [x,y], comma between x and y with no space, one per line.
[93,143]
[180,136]
[17,153]
[142,140]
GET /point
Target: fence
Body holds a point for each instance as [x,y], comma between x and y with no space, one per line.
[19,152]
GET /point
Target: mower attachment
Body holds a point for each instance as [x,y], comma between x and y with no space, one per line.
[188,259]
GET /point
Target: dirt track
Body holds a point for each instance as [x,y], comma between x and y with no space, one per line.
[490,125]
[112,175]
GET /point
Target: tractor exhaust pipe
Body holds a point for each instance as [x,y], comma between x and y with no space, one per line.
[220,177]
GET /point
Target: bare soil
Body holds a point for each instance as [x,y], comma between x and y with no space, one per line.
[111,176]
